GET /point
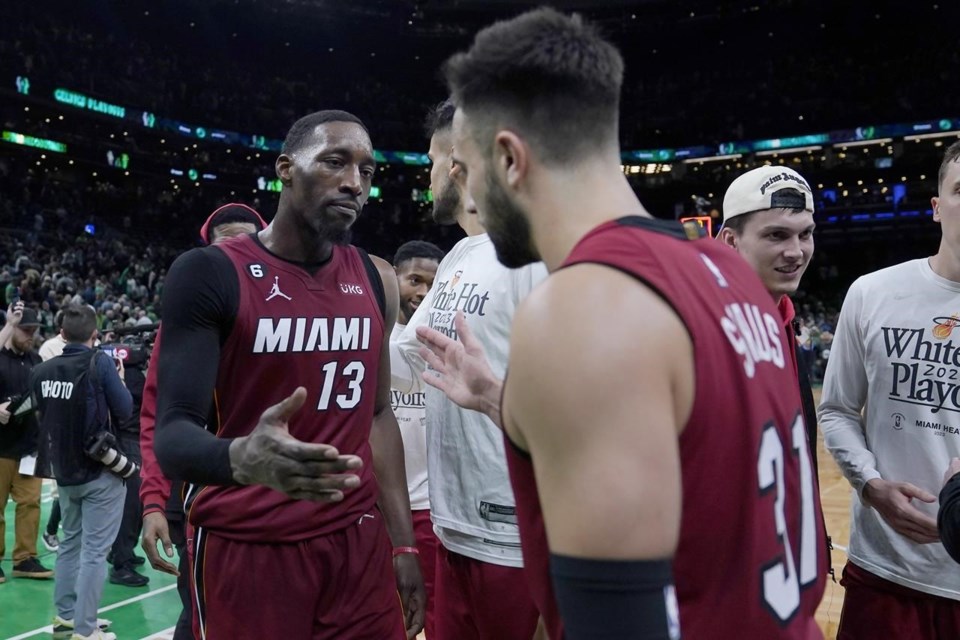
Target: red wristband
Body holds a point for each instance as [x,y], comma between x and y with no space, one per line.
[398,550]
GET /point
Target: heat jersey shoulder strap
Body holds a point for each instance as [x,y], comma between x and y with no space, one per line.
[373,274]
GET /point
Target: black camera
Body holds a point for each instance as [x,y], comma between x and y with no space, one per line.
[104,447]
[133,345]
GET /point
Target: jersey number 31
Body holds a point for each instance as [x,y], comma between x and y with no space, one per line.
[781,580]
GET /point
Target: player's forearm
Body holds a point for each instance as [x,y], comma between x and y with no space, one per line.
[186,451]
[154,486]
[388,465]
[844,439]
[490,401]
[406,366]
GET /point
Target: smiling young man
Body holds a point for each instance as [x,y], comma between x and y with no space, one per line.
[274,403]
[768,219]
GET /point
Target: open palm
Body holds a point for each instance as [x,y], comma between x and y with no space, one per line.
[459,367]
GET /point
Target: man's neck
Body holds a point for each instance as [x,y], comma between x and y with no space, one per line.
[946,263]
[470,223]
[577,202]
[289,240]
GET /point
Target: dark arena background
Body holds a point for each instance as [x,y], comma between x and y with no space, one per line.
[123,125]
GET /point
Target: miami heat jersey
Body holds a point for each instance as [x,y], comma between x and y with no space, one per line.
[750,562]
[321,330]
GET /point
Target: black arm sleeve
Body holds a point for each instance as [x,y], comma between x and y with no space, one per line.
[948,520]
[200,300]
[613,599]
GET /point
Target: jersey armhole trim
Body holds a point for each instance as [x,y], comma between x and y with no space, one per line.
[376,281]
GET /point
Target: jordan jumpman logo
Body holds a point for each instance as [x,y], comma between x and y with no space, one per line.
[275,290]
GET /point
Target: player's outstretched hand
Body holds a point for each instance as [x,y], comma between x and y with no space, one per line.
[157,529]
[270,456]
[893,501]
[413,595]
[460,367]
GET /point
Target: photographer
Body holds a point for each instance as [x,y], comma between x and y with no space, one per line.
[133,357]
[78,396]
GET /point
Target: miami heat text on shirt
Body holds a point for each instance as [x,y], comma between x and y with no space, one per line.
[293,335]
[925,372]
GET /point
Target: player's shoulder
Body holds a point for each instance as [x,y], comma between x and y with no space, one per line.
[202,264]
[199,256]
[883,279]
[584,295]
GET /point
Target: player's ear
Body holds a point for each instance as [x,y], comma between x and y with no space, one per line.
[511,157]
[935,205]
[728,237]
[284,165]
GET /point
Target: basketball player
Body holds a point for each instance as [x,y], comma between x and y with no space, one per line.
[768,219]
[306,487]
[416,265]
[156,494]
[652,422]
[480,593]
[890,414]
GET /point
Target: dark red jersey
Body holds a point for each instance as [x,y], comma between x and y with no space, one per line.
[751,559]
[321,329]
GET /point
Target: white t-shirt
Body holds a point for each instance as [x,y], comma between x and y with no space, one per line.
[896,358]
[411,411]
[52,348]
[471,502]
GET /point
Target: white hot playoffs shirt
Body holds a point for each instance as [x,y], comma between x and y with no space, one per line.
[896,359]
[471,502]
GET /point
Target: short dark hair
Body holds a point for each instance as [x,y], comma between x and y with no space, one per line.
[440,118]
[952,154]
[79,322]
[305,126]
[417,249]
[738,223]
[550,75]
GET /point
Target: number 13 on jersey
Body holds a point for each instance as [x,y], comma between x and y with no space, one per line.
[353,372]
[781,580]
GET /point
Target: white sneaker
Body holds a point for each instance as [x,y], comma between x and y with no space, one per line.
[96,635]
[62,625]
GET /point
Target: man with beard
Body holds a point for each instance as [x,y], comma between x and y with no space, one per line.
[416,265]
[289,541]
[18,439]
[652,418]
[480,591]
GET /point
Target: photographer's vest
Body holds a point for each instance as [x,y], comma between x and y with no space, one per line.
[65,388]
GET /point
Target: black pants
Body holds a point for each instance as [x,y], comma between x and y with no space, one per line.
[128,537]
[184,629]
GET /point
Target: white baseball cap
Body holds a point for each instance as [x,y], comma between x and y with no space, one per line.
[765,188]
